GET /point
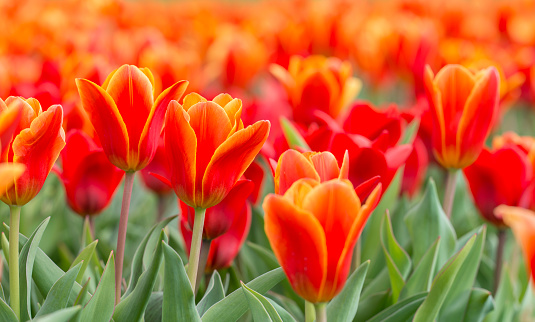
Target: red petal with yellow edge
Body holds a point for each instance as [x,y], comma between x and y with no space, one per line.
[299,190]
[522,222]
[9,121]
[28,114]
[106,120]
[38,148]
[326,166]
[230,161]
[480,110]
[298,241]
[9,172]
[291,167]
[151,132]
[437,113]
[181,148]
[211,126]
[336,206]
[344,169]
[131,90]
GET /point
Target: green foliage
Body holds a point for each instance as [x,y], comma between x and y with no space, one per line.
[344,306]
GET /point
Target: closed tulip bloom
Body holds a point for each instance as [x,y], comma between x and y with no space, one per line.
[126,117]
[9,172]
[208,148]
[89,178]
[463,106]
[36,143]
[313,229]
[522,222]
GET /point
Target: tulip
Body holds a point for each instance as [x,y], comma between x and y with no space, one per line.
[415,168]
[89,178]
[128,122]
[313,229]
[463,106]
[208,150]
[9,172]
[317,83]
[34,140]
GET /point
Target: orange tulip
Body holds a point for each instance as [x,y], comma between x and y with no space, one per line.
[126,118]
[522,222]
[36,143]
[463,106]
[313,229]
[9,172]
[208,148]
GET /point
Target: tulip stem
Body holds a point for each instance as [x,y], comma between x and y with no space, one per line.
[321,312]
[195,251]
[310,311]
[449,194]
[162,204]
[14,292]
[121,237]
[203,259]
[499,258]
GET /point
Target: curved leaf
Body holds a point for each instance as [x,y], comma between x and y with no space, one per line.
[401,311]
[64,315]
[344,306]
[215,292]
[6,313]
[59,294]
[84,257]
[101,305]
[260,307]
[422,277]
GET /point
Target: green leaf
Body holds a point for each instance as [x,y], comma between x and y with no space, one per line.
[283,313]
[260,307]
[397,260]
[64,315]
[137,262]
[153,313]
[401,311]
[506,299]
[215,292]
[294,139]
[132,307]
[344,306]
[422,277]
[411,131]
[479,305]
[426,221]
[84,257]
[6,313]
[430,308]
[101,305]
[232,307]
[26,260]
[371,305]
[59,294]
[460,292]
[178,298]
[265,254]
[83,294]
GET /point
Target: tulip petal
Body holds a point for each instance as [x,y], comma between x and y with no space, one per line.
[290,229]
[106,120]
[9,121]
[230,161]
[78,146]
[326,166]
[181,147]
[192,99]
[291,167]
[9,172]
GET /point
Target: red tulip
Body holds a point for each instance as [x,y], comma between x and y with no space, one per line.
[159,166]
[89,178]
[36,143]
[313,229]
[208,148]
[126,118]
[415,168]
[9,172]
[463,107]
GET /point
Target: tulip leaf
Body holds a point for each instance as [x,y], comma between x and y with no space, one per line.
[410,132]
[59,294]
[344,306]
[397,260]
[64,315]
[178,298]
[85,258]
[422,276]
[505,301]
[132,307]
[265,254]
[426,221]
[101,305]
[6,313]
[372,305]
[401,311]
[215,292]
[137,262]
[292,135]
[459,294]
[283,313]
[442,283]
[479,305]
[261,308]
[26,261]
[153,312]
[232,307]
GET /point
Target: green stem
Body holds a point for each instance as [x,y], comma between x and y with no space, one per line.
[14,292]
[196,241]
[310,312]
[203,259]
[499,258]
[449,194]
[321,312]
[121,237]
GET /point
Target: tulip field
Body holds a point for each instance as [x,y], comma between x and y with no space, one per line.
[300,160]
